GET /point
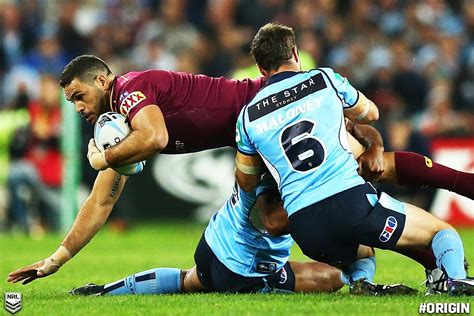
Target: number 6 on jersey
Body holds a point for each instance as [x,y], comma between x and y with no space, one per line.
[303,151]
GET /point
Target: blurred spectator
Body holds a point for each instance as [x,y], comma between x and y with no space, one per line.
[177,33]
[49,57]
[13,39]
[69,37]
[256,13]
[20,79]
[36,168]
[439,117]
[153,55]
[410,85]
[400,136]
[464,82]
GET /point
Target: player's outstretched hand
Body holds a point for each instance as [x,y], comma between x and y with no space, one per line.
[41,268]
[36,270]
[371,164]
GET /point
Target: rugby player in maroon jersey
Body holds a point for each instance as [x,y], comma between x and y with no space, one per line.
[173,113]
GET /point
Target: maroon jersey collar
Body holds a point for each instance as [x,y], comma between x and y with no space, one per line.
[110,95]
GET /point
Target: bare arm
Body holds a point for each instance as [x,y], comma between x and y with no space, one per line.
[96,209]
[370,158]
[247,171]
[364,111]
[92,215]
[367,135]
[148,137]
[272,214]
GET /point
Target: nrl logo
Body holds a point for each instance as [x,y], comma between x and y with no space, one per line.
[13,302]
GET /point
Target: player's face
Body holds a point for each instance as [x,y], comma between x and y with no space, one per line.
[90,100]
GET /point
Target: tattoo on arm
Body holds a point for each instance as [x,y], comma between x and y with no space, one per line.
[116,185]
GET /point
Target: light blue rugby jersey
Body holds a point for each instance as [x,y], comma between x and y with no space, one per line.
[296,124]
[237,243]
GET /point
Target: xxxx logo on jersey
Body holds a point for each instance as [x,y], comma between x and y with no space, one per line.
[133,99]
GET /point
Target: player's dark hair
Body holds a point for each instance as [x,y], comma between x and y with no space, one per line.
[272,46]
[85,68]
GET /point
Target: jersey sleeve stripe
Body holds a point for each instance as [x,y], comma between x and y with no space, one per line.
[246,153]
[352,105]
[342,100]
[245,129]
[332,85]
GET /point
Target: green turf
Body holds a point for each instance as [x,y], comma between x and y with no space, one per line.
[112,256]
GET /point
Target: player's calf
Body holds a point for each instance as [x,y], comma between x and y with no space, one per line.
[422,228]
[316,277]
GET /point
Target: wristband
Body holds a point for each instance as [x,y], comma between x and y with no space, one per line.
[61,256]
[364,113]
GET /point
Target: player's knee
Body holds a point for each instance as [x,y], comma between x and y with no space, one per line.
[331,280]
[365,251]
[441,225]
[190,281]
[187,281]
[277,228]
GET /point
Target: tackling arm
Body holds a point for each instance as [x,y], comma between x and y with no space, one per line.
[247,171]
[273,215]
[148,137]
[370,158]
[91,217]
[364,111]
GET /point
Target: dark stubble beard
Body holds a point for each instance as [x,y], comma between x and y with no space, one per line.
[104,102]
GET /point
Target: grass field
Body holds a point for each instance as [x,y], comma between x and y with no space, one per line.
[111,256]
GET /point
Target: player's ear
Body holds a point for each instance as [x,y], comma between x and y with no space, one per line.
[296,56]
[263,71]
[103,81]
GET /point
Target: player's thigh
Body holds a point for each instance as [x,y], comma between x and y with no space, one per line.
[191,282]
[313,277]
[420,227]
[326,231]
[384,223]
[215,276]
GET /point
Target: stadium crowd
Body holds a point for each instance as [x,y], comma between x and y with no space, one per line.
[414,59]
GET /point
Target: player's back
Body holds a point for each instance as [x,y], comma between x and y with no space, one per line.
[296,123]
[199,111]
[239,244]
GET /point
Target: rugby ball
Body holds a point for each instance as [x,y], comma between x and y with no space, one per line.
[109,130]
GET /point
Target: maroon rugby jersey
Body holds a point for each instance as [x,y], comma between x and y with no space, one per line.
[200,112]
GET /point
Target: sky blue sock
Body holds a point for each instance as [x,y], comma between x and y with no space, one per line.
[448,250]
[345,278]
[361,269]
[153,281]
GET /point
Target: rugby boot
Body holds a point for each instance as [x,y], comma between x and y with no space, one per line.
[362,287]
[458,287]
[88,289]
[437,280]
